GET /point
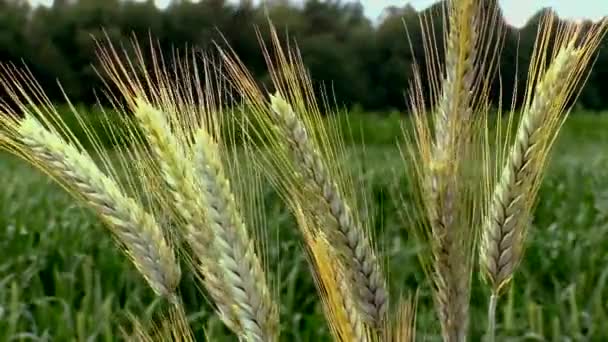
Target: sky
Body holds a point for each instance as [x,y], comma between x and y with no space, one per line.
[517,12]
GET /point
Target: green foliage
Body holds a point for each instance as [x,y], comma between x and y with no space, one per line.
[111,127]
[359,60]
[61,276]
[108,126]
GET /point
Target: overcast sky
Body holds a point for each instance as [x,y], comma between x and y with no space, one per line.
[516,12]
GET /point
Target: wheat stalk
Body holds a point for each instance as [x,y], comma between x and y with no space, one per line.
[137,230]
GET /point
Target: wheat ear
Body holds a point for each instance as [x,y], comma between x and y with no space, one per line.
[342,314]
[454,105]
[551,90]
[139,83]
[232,272]
[350,239]
[178,174]
[243,273]
[505,225]
[137,230]
[452,129]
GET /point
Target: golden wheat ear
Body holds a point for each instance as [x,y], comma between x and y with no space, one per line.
[552,87]
[443,144]
[34,130]
[344,319]
[178,116]
[303,152]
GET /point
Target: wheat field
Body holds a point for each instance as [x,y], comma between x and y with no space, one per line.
[207,207]
[63,278]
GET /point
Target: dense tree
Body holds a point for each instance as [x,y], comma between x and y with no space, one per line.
[360,62]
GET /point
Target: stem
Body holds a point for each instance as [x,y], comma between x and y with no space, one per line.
[492,317]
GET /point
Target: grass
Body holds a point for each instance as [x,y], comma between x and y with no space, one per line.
[63,278]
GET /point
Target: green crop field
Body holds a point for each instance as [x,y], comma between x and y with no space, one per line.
[62,278]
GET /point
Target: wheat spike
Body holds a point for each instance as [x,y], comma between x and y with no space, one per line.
[544,113]
[303,168]
[343,316]
[178,174]
[213,227]
[243,273]
[454,107]
[452,238]
[502,237]
[545,109]
[164,133]
[137,230]
[350,239]
[178,115]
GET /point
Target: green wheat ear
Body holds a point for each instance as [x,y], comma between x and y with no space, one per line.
[37,135]
[184,140]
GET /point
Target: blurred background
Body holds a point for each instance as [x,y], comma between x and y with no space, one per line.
[358,49]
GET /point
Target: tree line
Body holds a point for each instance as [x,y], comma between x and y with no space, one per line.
[360,62]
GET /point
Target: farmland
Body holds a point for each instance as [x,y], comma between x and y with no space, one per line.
[63,278]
